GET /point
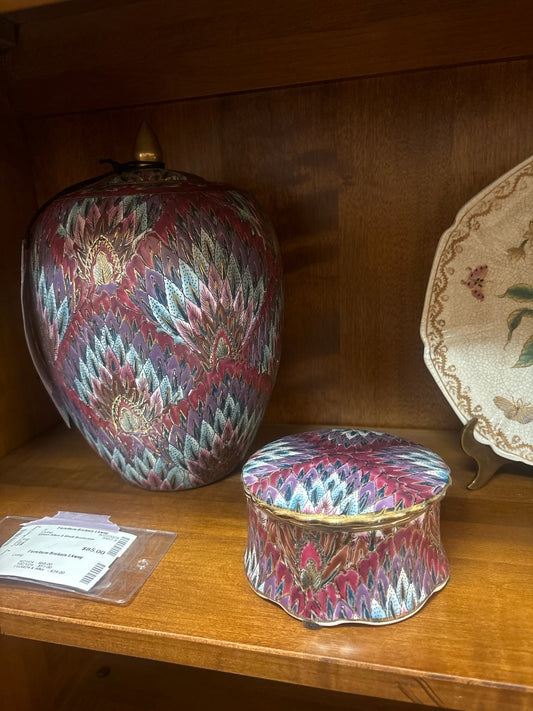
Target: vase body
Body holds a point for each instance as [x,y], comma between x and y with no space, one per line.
[152,303]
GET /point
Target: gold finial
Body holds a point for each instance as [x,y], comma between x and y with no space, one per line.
[147,148]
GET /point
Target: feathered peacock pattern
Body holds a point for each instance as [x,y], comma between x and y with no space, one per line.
[329,576]
[344,525]
[153,311]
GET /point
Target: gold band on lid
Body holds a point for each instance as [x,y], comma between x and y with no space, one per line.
[147,148]
[361,522]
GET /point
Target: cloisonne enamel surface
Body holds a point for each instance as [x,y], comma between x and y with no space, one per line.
[344,526]
[152,304]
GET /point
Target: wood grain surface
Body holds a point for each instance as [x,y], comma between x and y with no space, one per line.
[89,55]
[360,179]
[25,408]
[469,648]
[46,677]
[17,5]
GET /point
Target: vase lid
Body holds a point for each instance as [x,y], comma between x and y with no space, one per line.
[146,173]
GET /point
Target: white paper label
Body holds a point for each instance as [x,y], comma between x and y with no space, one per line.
[69,556]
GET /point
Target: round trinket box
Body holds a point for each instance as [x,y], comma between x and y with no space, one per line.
[344,526]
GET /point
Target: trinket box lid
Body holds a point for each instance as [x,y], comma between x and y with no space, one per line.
[345,477]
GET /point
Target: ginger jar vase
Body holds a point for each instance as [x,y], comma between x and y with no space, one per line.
[152,303]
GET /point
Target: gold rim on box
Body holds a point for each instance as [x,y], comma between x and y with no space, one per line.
[361,522]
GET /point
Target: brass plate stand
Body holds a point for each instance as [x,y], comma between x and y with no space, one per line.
[488,462]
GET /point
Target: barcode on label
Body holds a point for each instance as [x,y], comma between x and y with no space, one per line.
[119,545]
[93,572]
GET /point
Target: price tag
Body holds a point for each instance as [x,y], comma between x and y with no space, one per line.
[70,556]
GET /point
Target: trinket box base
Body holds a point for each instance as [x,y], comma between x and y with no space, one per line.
[344,526]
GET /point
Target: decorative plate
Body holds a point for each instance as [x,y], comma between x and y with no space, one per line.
[476,325]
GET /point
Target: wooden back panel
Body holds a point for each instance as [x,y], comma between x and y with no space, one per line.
[360,179]
[25,408]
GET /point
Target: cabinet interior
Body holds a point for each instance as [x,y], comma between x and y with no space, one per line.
[361,128]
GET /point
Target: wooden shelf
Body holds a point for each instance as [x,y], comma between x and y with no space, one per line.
[151,50]
[469,648]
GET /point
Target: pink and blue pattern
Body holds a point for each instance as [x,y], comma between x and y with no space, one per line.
[328,571]
[344,472]
[152,304]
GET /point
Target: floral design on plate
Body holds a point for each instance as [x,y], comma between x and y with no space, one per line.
[476,325]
